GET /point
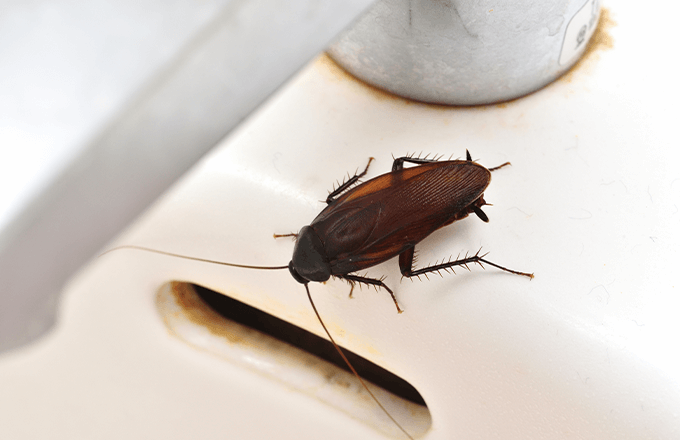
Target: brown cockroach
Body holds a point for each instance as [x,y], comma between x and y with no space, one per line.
[386,216]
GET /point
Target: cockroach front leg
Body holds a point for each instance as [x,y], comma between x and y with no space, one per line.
[406,265]
[373,282]
[292,234]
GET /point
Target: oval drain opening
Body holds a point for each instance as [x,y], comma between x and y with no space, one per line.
[284,352]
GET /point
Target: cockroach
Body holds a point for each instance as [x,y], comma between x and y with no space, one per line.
[367,223]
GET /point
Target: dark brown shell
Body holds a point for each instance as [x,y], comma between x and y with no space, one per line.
[384,216]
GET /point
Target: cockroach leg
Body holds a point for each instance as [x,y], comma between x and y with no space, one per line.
[351,289]
[351,181]
[469,159]
[398,163]
[406,265]
[499,166]
[292,234]
[372,282]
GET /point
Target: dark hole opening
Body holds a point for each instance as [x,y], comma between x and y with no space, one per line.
[284,331]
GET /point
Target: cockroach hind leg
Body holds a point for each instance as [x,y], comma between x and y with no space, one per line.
[499,166]
[398,163]
[409,272]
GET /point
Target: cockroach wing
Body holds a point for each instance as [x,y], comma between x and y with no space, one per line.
[384,216]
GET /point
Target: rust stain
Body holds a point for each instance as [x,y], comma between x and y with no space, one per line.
[339,74]
[600,41]
[196,310]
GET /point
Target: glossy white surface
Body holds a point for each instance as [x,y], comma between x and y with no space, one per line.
[591,205]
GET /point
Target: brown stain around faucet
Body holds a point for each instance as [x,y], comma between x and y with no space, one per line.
[599,42]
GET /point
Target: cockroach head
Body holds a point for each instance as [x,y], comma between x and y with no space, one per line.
[309,262]
[295,274]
